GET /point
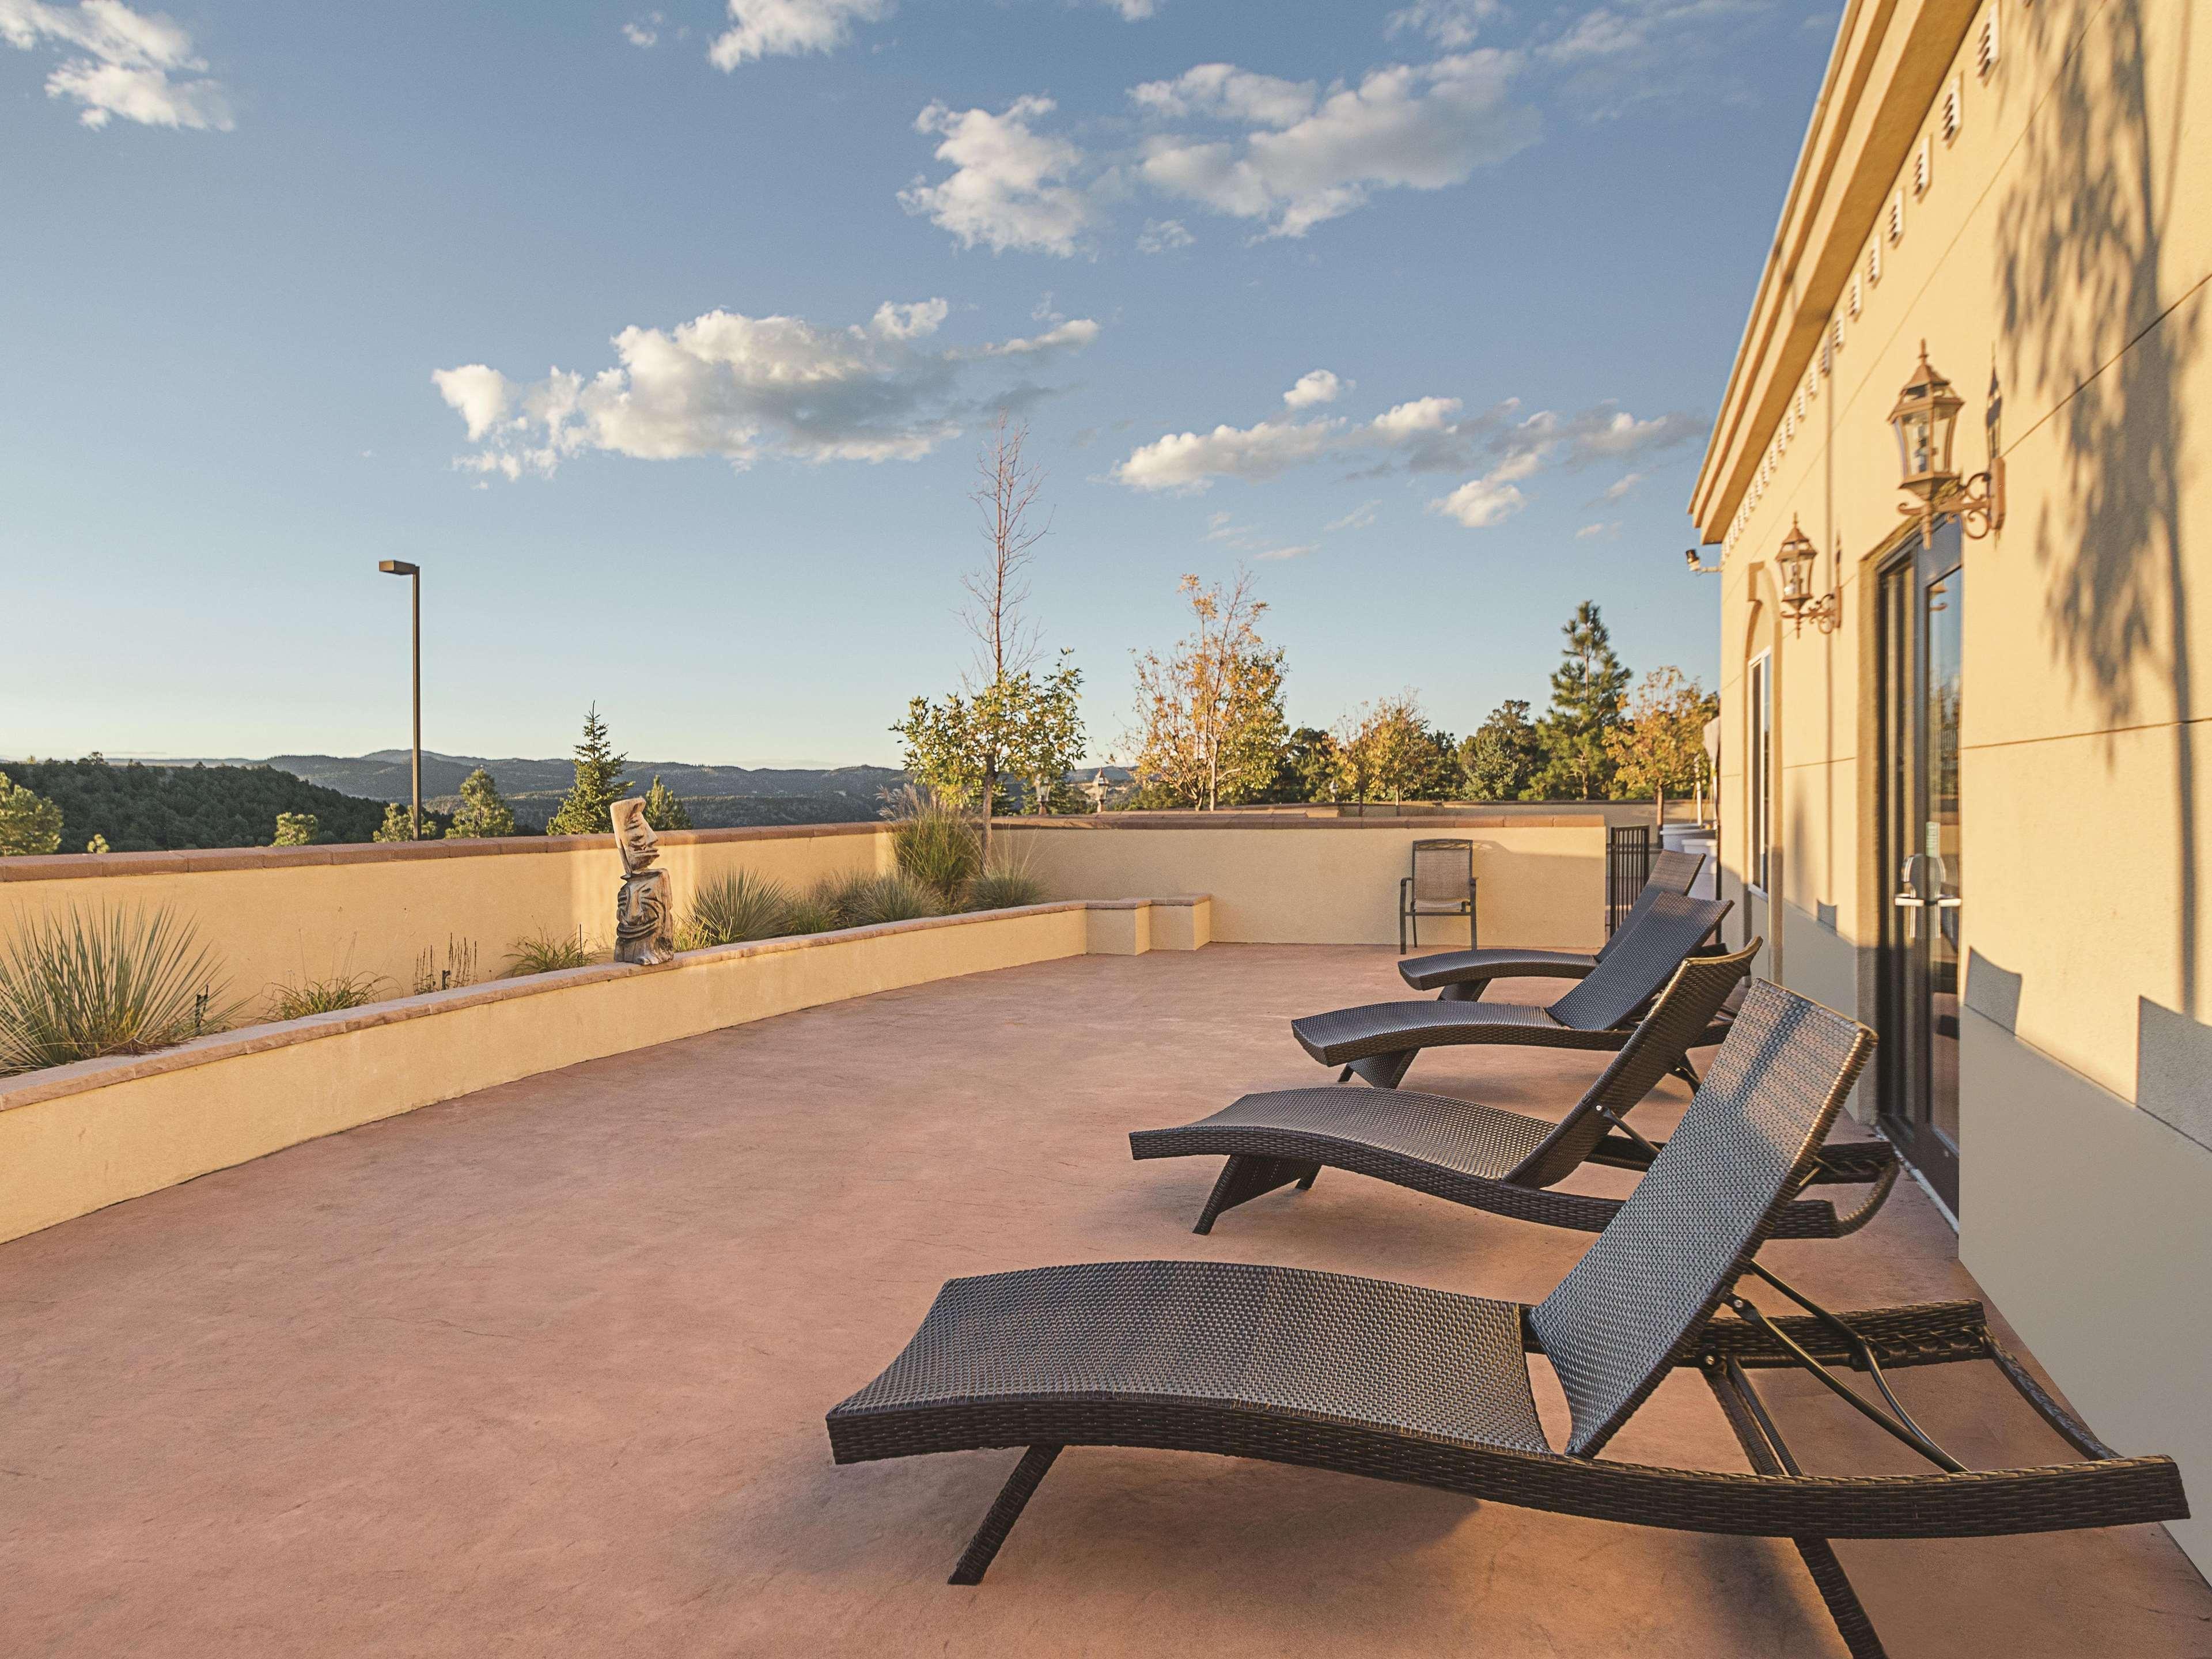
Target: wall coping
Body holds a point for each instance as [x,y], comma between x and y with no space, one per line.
[94,866]
[80,867]
[1102,821]
[57,1082]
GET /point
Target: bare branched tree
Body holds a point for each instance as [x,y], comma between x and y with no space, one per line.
[1005,492]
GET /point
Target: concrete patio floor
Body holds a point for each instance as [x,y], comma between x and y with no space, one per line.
[542,1370]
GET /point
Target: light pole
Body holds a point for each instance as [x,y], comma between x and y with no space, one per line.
[414,574]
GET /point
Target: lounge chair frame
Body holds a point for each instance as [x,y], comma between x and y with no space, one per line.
[1251,1361]
[1286,1137]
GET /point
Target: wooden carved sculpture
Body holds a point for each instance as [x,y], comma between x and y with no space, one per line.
[645,926]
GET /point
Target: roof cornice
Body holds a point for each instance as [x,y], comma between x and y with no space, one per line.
[1883,76]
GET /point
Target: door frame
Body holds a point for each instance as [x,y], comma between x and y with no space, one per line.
[1902,1064]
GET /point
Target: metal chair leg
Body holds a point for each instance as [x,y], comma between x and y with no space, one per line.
[1006,1510]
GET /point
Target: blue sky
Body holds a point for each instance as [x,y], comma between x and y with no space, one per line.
[662,337]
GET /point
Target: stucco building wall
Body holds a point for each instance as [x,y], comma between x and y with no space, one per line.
[2054,254]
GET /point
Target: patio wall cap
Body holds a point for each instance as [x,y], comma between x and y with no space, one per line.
[54,1082]
[1100,821]
[80,867]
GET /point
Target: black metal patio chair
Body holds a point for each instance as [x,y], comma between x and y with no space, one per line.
[1464,975]
[1441,884]
[1495,1160]
[1379,1041]
[1420,1386]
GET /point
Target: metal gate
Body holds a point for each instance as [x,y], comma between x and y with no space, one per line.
[1630,849]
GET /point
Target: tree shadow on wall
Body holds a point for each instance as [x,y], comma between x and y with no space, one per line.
[2079,245]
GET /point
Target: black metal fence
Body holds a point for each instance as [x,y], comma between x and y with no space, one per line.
[1630,851]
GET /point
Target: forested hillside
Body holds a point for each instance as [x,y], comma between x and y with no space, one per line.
[148,808]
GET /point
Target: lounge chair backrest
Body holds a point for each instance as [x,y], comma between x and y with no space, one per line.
[1616,1322]
[1680,1015]
[1644,959]
[1670,872]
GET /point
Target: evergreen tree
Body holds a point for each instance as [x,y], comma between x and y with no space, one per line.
[98,844]
[599,783]
[29,822]
[136,808]
[295,828]
[1309,767]
[399,824]
[662,810]
[1589,690]
[1500,760]
[483,812]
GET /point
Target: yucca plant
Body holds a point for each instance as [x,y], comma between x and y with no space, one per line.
[859,901]
[936,844]
[323,996]
[730,909]
[85,983]
[810,913]
[548,952]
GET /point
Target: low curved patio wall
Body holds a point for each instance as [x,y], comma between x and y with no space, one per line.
[77,1138]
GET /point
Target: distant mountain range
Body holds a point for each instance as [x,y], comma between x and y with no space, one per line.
[383,775]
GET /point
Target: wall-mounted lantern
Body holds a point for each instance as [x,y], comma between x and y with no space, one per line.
[1926,420]
[1794,561]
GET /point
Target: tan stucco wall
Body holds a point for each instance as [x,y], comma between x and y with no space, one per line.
[79,1137]
[2064,244]
[282,915]
[1328,881]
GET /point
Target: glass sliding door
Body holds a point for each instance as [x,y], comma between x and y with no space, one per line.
[1922,612]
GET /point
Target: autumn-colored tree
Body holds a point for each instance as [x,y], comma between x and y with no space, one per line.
[1019,726]
[1387,750]
[1210,715]
[1661,748]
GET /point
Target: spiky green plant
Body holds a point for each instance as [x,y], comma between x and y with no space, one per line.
[548,952]
[858,901]
[729,909]
[84,983]
[323,996]
[810,913]
[936,844]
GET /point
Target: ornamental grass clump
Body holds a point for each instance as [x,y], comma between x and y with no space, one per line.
[85,983]
[869,900]
[548,952]
[323,996]
[733,909]
[936,844]
[1004,890]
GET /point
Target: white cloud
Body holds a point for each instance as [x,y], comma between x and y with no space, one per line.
[1159,235]
[1011,187]
[785,28]
[1359,519]
[1480,503]
[1222,527]
[743,387]
[135,64]
[481,394]
[644,31]
[1635,51]
[1415,127]
[1316,386]
[1452,24]
[1591,532]
[1621,486]
[1421,436]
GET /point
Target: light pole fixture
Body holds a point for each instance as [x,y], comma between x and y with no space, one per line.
[1925,421]
[1796,563]
[414,574]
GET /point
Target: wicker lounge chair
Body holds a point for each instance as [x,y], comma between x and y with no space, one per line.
[1414,1385]
[1378,1041]
[1495,1160]
[1463,976]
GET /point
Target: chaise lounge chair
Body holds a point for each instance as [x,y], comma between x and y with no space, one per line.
[1407,1384]
[1495,1160]
[1378,1041]
[1463,976]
